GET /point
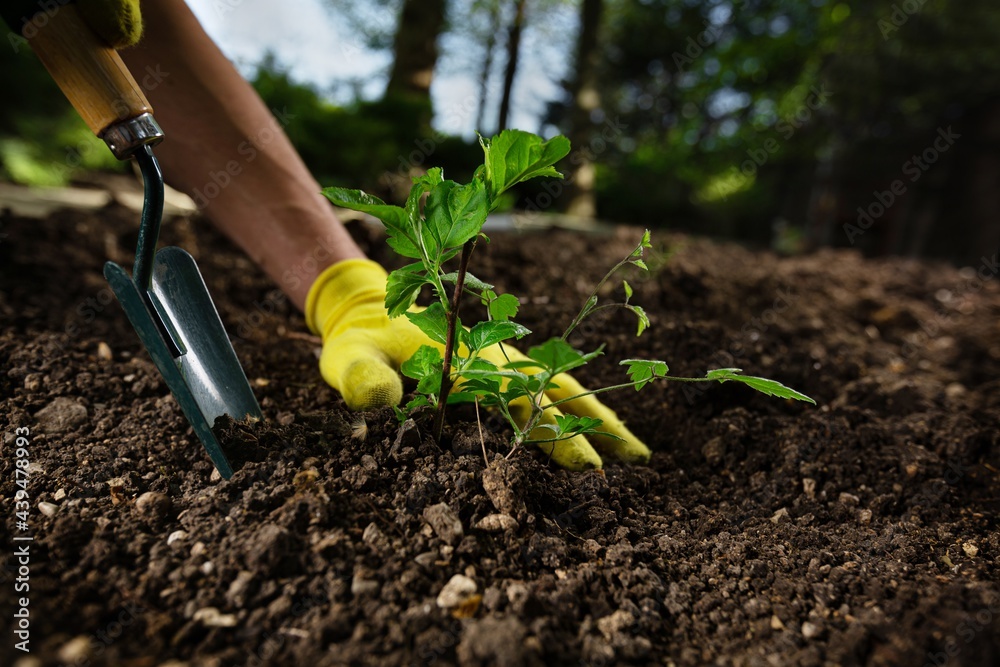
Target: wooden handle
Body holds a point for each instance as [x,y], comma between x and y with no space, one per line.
[91,74]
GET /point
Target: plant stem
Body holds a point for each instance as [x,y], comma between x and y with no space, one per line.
[588,305]
[449,346]
[625,385]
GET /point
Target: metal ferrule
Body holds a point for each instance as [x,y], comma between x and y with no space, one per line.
[124,137]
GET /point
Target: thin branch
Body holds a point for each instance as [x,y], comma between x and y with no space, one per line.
[449,346]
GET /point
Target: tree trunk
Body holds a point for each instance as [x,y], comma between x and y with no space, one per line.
[415,48]
[484,75]
[513,46]
[585,100]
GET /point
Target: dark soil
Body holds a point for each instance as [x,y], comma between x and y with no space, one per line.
[862,531]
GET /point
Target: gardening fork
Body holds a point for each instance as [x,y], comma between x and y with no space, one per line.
[165,299]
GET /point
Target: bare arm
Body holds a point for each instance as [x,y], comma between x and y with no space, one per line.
[227,151]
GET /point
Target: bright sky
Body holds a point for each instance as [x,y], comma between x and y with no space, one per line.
[306,39]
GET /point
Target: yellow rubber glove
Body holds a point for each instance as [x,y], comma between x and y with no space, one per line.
[363,350]
[117,22]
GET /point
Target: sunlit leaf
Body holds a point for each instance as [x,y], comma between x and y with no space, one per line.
[558,356]
[514,156]
[492,332]
[455,213]
[425,367]
[402,287]
[504,307]
[644,371]
[432,321]
[763,385]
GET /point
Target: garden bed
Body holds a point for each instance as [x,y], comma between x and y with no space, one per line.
[763,532]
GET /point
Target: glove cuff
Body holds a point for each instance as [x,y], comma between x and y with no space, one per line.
[341,287]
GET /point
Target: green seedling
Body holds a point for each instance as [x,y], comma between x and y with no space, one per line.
[442,221]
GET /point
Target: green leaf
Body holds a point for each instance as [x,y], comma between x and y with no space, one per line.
[572,425]
[763,385]
[504,307]
[418,401]
[492,332]
[396,219]
[558,356]
[628,290]
[425,367]
[471,282]
[644,371]
[514,156]
[641,315]
[432,321]
[421,184]
[455,213]
[461,397]
[402,288]
[483,386]
[641,264]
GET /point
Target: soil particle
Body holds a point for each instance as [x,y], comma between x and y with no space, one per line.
[61,415]
[493,641]
[445,523]
[458,589]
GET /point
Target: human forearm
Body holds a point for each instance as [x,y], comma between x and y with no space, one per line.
[227,150]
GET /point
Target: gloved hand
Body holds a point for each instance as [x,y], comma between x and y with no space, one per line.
[117,22]
[363,349]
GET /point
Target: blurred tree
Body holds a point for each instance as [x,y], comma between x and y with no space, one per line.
[585,100]
[700,97]
[513,52]
[918,98]
[492,9]
[415,50]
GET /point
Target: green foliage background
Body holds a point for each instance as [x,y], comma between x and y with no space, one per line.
[707,120]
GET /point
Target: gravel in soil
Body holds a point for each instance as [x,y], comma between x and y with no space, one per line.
[862,531]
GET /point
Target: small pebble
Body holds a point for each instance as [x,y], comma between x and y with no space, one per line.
[48,509]
[810,630]
[211,618]
[776,623]
[104,351]
[496,523]
[458,589]
[197,549]
[809,487]
[176,536]
[361,586]
[153,505]
[62,414]
[865,516]
[445,523]
[76,650]
[970,549]
[374,537]
[780,515]
[60,494]
[848,499]
[425,559]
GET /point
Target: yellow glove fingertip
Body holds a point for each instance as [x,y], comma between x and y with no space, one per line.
[574,454]
[368,385]
[631,450]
